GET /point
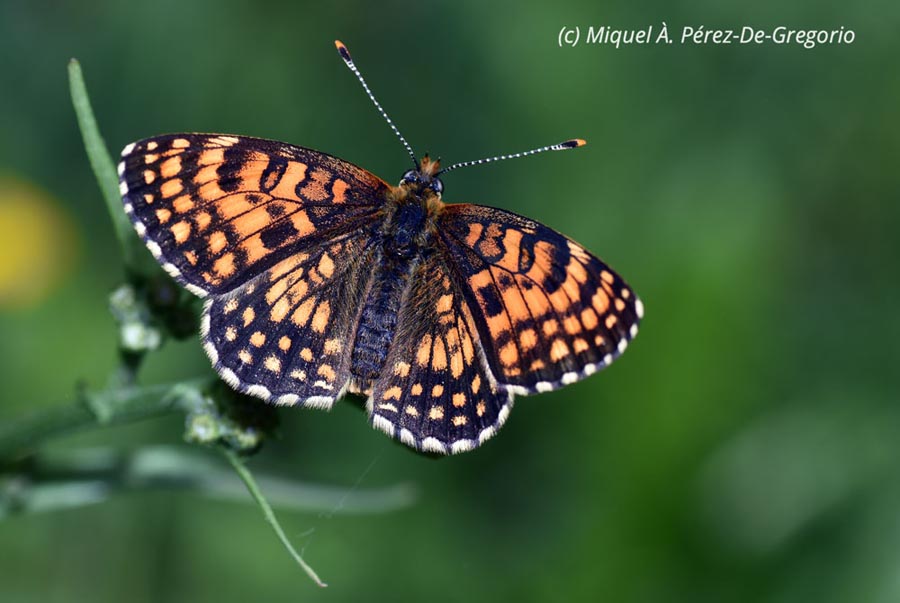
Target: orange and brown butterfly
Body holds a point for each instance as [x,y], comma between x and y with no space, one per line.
[320,278]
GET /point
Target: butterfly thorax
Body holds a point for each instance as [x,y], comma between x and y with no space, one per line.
[404,241]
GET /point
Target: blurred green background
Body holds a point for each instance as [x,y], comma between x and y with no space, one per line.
[745,447]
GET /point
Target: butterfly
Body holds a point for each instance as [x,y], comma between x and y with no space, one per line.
[320,278]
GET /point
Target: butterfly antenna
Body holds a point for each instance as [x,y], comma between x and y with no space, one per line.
[562,146]
[345,54]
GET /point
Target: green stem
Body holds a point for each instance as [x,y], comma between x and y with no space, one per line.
[21,435]
[104,168]
[269,515]
[51,480]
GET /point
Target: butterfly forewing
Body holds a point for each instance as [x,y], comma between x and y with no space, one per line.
[219,210]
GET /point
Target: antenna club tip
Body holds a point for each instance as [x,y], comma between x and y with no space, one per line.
[342,50]
[575,142]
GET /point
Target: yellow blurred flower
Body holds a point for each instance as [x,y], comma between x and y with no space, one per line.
[37,243]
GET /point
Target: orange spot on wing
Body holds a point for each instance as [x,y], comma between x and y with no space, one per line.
[320,320]
[475,230]
[327,371]
[512,242]
[181,231]
[558,350]
[339,190]
[202,220]
[224,266]
[509,355]
[276,291]
[600,301]
[488,245]
[293,175]
[571,325]
[515,304]
[273,364]
[183,204]
[528,339]
[444,304]
[326,266]
[576,270]
[301,315]
[439,357]
[543,261]
[251,222]
[302,224]
[211,157]
[550,327]
[424,351]
[217,242]
[170,188]
[254,249]
[171,167]
[314,190]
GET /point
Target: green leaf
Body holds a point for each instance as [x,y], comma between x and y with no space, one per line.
[133,253]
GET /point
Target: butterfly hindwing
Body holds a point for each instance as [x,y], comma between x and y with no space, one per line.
[218,210]
[434,393]
[552,312]
[286,335]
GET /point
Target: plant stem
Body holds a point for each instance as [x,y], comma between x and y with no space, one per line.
[133,253]
[269,515]
[21,435]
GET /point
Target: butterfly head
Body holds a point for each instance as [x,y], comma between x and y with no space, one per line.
[424,178]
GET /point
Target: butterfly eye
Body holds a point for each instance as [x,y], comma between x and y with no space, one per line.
[410,176]
[437,186]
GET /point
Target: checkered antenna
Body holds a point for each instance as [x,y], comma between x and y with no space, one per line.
[562,146]
[345,54]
